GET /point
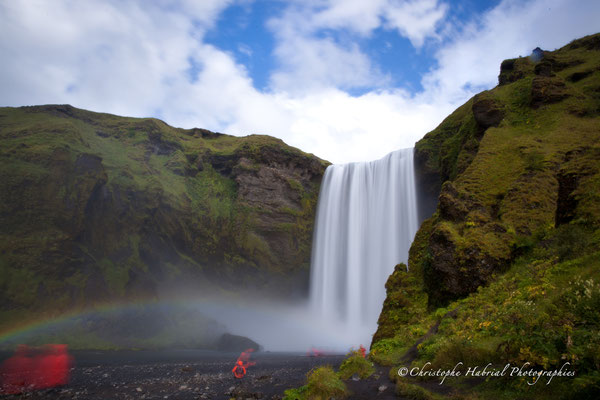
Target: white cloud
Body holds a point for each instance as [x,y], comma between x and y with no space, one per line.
[416,20]
[134,58]
[471,61]
[112,57]
[359,16]
[307,64]
[310,57]
[361,128]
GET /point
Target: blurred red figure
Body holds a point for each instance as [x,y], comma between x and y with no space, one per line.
[362,351]
[15,371]
[35,368]
[53,366]
[314,352]
[242,363]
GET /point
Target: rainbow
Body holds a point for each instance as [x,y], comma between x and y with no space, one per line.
[31,325]
[275,326]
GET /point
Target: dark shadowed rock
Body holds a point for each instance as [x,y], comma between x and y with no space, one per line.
[509,72]
[487,111]
[578,167]
[545,90]
[543,68]
[579,75]
[428,185]
[450,206]
[454,271]
[235,343]
[566,201]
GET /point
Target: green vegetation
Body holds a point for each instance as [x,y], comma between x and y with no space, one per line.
[411,391]
[508,265]
[96,208]
[322,384]
[403,319]
[356,363]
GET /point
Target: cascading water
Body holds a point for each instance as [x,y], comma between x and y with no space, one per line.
[366,221]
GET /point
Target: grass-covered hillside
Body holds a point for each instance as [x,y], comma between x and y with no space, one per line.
[509,264]
[96,208]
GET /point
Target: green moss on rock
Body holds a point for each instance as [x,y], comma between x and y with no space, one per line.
[503,157]
[513,246]
[96,207]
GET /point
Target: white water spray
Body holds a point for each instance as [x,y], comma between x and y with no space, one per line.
[366,221]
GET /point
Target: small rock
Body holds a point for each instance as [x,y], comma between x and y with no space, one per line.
[382,388]
[355,377]
[138,389]
[183,387]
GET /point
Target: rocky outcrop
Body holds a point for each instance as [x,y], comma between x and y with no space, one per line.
[575,197]
[546,90]
[451,207]
[566,201]
[487,111]
[235,343]
[405,303]
[457,268]
[510,72]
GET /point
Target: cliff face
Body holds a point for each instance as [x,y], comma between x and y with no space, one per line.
[516,230]
[96,207]
[512,160]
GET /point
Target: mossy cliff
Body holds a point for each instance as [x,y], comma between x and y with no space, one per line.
[96,207]
[513,247]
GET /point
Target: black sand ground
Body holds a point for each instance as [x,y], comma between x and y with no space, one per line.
[188,374]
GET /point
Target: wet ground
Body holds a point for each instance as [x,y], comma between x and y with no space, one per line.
[183,374]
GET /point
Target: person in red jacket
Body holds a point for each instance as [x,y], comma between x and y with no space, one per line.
[242,364]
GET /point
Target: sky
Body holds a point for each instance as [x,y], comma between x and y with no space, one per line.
[346,80]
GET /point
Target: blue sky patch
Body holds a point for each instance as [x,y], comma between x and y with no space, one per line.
[241,31]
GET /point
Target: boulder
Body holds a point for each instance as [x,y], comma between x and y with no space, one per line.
[456,270]
[487,111]
[509,72]
[546,90]
[235,343]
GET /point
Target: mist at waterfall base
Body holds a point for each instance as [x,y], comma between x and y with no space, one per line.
[366,221]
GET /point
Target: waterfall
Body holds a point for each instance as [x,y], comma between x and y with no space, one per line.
[366,221]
